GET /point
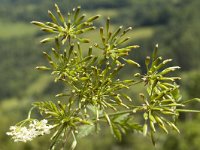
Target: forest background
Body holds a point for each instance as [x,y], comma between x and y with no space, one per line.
[174,24]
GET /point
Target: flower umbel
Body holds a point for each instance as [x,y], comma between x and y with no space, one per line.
[24,134]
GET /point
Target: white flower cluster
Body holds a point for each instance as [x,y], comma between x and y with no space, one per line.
[24,134]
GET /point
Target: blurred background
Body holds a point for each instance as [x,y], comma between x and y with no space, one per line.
[174,24]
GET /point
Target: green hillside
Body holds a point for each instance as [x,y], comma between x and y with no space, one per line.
[174,24]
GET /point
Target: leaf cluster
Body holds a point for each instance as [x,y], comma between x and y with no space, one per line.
[94,93]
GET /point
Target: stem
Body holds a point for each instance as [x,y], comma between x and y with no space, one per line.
[29,113]
[67,133]
[188,110]
[137,82]
[74,143]
[120,112]
[21,123]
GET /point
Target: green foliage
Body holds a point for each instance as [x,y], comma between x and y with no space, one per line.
[187,140]
[94,95]
[16,70]
[182,40]
[71,28]
[192,83]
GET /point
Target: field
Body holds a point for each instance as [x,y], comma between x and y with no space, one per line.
[9,30]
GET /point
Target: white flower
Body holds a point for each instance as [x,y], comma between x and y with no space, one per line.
[21,134]
[41,126]
[24,134]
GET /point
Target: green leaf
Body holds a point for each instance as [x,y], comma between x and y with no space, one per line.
[191,100]
[145,129]
[121,117]
[126,31]
[37,23]
[46,40]
[123,40]
[84,40]
[152,126]
[43,68]
[116,32]
[93,18]
[153,139]
[164,128]
[74,143]
[116,132]
[56,136]
[85,130]
[76,13]
[188,110]
[127,97]
[90,51]
[79,19]
[163,64]
[147,62]
[52,17]
[59,14]
[47,56]
[131,62]
[145,116]
[173,126]
[107,24]
[154,55]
